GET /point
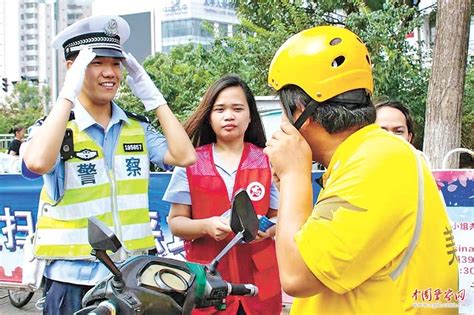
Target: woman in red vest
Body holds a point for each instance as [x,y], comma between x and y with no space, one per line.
[227,131]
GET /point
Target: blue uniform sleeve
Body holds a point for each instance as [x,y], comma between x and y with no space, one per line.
[274,197]
[157,146]
[25,172]
[178,188]
[54,180]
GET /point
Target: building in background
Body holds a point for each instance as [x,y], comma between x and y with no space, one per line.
[26,30]
[9,45]
[158,26]
[183,22]
[28,26]
[425,35]
[66,13]
[34,33]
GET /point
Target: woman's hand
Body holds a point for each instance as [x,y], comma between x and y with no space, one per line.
[270,232]
[218,228]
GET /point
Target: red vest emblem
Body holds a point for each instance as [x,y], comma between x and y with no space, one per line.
[256,191]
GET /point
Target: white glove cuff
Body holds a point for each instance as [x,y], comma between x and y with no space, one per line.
[155,103]
[66,96]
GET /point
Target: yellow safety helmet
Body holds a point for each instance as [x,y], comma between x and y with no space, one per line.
[324,61]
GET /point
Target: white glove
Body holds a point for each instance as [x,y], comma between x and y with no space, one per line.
[75,75]
[142,85]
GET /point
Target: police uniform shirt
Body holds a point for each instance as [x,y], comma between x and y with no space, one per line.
[86,272]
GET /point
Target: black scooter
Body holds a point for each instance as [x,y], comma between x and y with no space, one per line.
[155,285]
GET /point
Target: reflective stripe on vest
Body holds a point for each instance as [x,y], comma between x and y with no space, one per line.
[119,198]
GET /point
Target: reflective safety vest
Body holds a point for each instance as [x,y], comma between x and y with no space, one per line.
[118,197]
[253,263]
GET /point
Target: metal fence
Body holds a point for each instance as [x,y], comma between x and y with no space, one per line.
[5,140]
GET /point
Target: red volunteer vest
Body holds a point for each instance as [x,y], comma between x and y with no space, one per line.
[245,263]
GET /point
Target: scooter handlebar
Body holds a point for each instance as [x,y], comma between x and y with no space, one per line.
[104,308]
[242,289]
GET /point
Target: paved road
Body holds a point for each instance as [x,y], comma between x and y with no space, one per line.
[7,309]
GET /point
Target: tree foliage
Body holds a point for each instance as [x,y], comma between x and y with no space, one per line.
[187,71]
[400,70]
[24,106]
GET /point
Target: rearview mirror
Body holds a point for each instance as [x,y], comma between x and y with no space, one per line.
[101,237]
[243,216]
[243,222]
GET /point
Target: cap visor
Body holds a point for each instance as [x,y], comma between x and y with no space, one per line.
[106,52]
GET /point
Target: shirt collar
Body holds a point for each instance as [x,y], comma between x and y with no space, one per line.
[84,120]
[218,161]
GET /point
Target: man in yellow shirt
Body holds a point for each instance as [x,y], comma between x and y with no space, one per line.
[378,240]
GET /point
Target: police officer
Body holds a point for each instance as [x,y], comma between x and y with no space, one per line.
[95,157]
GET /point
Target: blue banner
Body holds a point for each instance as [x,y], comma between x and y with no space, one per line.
[18,213]
[19,202]
[18,210]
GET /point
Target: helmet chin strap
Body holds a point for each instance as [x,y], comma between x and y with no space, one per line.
[352,99]
[309,110]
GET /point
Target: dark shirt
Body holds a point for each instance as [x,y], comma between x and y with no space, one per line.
[15,146]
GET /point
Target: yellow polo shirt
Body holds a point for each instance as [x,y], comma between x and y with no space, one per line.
[362,225]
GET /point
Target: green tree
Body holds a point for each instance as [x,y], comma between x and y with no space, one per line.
[187,71]
[182,76]
[24,106]
[399,72]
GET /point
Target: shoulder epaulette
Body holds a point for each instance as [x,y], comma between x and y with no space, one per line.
[40,121]
[141,118]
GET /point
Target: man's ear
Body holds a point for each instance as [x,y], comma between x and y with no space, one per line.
[69,63]
[299,108]
[307,122]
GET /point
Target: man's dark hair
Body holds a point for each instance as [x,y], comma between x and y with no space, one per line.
[342,112]
[403,109]
[72,57]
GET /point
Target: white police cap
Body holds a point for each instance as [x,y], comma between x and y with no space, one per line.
[105,34]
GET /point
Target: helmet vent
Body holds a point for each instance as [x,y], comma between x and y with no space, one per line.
[338,61]
[335,41]
[360,40]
